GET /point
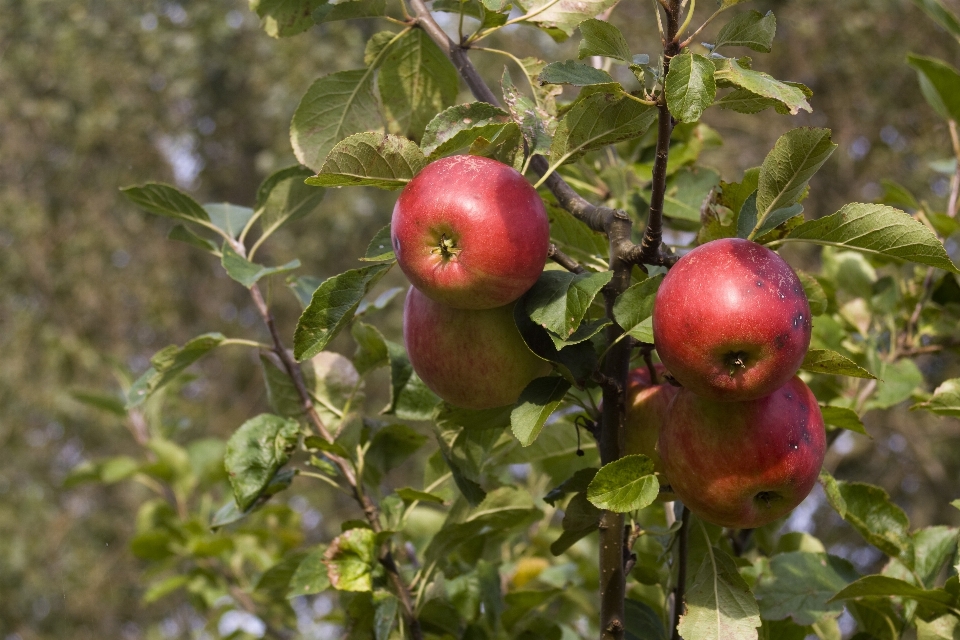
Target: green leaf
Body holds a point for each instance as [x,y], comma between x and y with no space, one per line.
[690,86]
[167,365]
[105,402]
[380,248]
[940,85]
[937,600]
[800,585]
[410,399]
[932,547]
[945,400]
[350,558]
[719,603]
[392,445]
[831,487]
[573,73]
[879,230]
[460,125]
[868,510]
[787,169]
[334,107]
[164,200]
[816,296]
[831,362]
[774,220]
[602,39]
[372,160]
[625,485]
[331,308]
[726,4]
[538,400]
[940,14]
[409,495]
[416,81]
[642,622]
[898,382]
[596,121]
[310,576]
[559,300]
[284,18]
[282,395]
[686,191]
[349,10]
[229,218]
[385,616]
[730,72]
[576,483]
[843,418]
[635,305]
[751,29]
[574,237]
[943,628]
[255,452]
[560,19]
[283,197]
[248,273]
[183,234]
[527,113]
[165,587]
[371,350]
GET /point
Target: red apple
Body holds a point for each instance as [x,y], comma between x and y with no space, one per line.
[647,405]
[743,464]
[470,232]
[731,321]
[472,358]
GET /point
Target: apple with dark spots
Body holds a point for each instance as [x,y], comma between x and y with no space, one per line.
[470,232]
[472,358]
[731,321]
[743,464]
[647,403]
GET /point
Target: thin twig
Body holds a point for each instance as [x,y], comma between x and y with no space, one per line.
[564,260]
[369,508]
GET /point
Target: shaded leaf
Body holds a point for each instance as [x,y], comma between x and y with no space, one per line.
[331,308]
[538,400]
[843,418]
[750,29]
[416,81]
[879,230]
[940,14]
[409,495]
[573,73]
[167,365]
[642,622]
[183,234]
[940,85]
[831,362]
[598,120]
[869,510]
[229,218]
[559,300]
[800,585]
[310,576]
[816,296]
[255,452]
[602,39]
[410,399]
[333,108]
[563,16]
[938,600]
[372,160]
[460,125]
[787,169]
[635,305]
[248,273]
[945,400]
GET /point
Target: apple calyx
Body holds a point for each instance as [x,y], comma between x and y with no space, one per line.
[736,360]
[447,248]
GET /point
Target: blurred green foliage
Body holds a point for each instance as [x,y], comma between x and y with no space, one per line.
[98,95]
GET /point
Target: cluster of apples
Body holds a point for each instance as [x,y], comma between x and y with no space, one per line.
[739,439]
[742,441]
[471,235]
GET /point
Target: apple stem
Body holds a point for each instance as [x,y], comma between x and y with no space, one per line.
[678,594]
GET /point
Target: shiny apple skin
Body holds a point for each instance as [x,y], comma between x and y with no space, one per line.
[472,358]
[647,405]
[493,220]
[743,464]
[730,299]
